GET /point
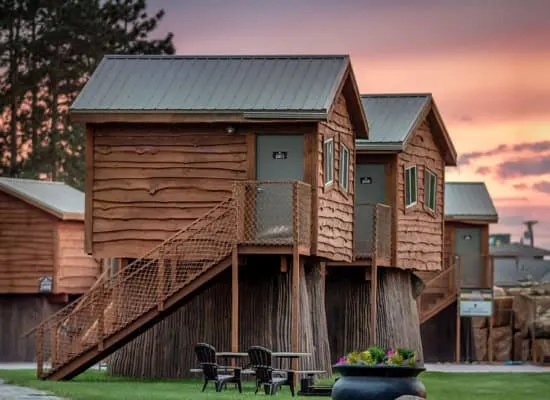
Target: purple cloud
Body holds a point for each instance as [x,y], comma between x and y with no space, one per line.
[483,170]
[535,147]
[520,186]
[542,186]
[520,167]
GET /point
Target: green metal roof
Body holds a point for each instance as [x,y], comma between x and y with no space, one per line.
[56,198]
[392,117]
[281,86]
[469,201]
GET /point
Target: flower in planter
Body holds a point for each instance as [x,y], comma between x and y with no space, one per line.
[375,355]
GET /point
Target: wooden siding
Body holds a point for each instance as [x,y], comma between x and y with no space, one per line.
[336,208]
[26,245]
[76,271]
[19,314]
[419,238]
[149,182]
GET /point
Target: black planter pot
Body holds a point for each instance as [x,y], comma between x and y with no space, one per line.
[363,382]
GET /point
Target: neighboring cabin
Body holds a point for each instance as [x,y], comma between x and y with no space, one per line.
[402,165]
[42,259]
[469,211]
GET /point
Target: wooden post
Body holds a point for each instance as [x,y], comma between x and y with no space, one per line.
[295,290]
[458,286]
[54,344]
[40,352]
[235,300]
[101,316]
[373,302]
[161,279]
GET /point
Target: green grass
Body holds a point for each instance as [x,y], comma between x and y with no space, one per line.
[94,385]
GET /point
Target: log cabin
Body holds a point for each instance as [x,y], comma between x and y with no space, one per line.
[221,184]
[42,260]
[469,212]
[398,231]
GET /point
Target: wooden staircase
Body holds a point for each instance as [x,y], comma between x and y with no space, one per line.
[440,291]
[119,308]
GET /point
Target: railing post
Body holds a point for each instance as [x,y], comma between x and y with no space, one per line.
[295,214]
[54,343]
[40,352]
[374,235]
[239,196]
[161,279]
[101,317]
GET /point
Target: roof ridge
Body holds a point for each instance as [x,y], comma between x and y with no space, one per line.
[411,94]
[226,56]
[465,182]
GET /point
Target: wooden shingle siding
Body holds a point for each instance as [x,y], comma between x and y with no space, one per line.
[419,232]
[26,245]
[150,182]
[336,209]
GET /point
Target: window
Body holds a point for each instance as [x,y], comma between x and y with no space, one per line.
[344,168]
[430,189]
[410,186]
[329,161]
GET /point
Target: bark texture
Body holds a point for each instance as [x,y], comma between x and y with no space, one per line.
[167,349]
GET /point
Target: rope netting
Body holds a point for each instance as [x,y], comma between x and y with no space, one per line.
[142,285]
[273,212]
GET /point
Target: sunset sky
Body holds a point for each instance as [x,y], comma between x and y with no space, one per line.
[487,63]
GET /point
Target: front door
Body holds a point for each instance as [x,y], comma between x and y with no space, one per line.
[370,188]
[278,158]
[468,247]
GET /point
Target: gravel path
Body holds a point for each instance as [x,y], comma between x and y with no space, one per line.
[12,392]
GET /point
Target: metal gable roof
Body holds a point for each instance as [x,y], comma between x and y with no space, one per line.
[469,200]
[56,198]
[392,117]
[513,272]
[254,84]
[518,250]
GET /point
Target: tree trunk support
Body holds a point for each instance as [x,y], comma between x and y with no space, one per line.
[295,297]
[373,302]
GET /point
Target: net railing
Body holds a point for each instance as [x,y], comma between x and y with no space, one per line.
[373,231]
[142,285]
[273,213]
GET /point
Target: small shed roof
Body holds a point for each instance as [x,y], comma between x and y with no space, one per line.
[392,118]
[55,198]
[512,272]
[254,87]
[518,250]
[469,201]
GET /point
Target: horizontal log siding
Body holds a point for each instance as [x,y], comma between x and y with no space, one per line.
[419,232]
[336,209]
[76,271]
[149,182]
[26,245]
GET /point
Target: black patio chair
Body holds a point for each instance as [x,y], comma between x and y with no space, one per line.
[206,354]
[272,379]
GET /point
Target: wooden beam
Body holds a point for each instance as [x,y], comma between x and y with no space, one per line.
[295,298]
[89,187]
[373,302]
[284,264]
[323,266]
[235,300]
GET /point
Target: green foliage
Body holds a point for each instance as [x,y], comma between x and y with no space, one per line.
[48,50]
[375,355]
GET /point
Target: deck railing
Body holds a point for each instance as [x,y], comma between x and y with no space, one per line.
[373,231]
[273,213]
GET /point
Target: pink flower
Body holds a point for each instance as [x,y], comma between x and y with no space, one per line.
[342,360]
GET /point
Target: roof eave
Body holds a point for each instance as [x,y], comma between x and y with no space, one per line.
[378,147]
[489,219]
[179,116]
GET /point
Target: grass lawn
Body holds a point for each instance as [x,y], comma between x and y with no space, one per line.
[94,385]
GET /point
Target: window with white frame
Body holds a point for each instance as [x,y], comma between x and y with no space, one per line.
[328,152]
[410,186]
[344,167]
[430,189]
